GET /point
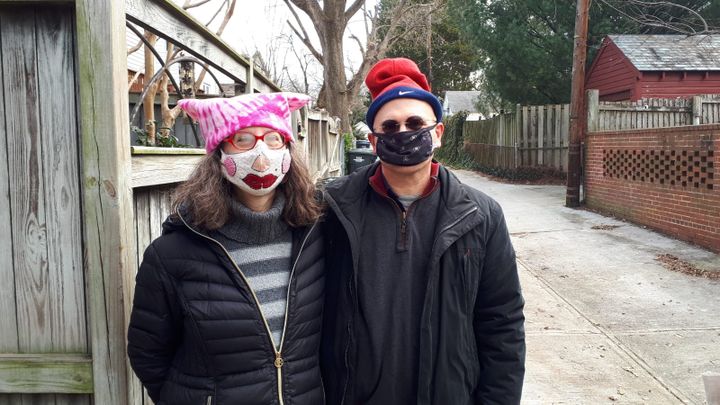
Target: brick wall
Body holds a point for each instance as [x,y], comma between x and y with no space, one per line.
[667,179]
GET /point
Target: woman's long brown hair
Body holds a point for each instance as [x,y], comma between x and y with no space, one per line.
[206,196]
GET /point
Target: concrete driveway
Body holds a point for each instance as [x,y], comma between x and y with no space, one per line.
[606,322]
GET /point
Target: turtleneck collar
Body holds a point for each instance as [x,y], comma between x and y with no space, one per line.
[247,226]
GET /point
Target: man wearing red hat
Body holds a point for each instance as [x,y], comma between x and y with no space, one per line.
[423,302]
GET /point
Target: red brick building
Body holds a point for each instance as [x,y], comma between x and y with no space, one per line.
[632,67]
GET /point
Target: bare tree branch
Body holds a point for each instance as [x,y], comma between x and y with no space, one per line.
[187,5]
[309,7]
[139,45]
[353,9]
[330,22]
[226,19]
[359,44]
[304,37]
[134,78]
[636,11]
[217,12]
[366,18]
[680,6]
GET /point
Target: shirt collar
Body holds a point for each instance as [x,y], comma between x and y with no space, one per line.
[380,185]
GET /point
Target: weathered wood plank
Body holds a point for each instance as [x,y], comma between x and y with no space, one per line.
[151,170]
[540,134]
[26,173]
[135,389]
[107,196]
[156,215]
[142,213]
[8,315]
[11,399]
[156,150]
[56,78]
[525,140]
[46,373]
[640,108]
[697,110]
[557,153]
[175,25]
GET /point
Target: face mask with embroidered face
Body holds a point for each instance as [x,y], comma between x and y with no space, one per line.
[257,171]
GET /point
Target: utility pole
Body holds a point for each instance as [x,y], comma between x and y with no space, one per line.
[577,104]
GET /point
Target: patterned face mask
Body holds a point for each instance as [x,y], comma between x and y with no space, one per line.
[406,148]
[238,168]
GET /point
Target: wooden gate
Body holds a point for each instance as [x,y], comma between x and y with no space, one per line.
[44,346]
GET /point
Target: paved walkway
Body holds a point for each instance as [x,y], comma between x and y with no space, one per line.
[606,322]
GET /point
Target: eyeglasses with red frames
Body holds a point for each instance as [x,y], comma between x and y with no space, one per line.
[244,141]
[412,123]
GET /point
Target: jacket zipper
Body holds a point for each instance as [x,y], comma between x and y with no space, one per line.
[278,356]
[278,360]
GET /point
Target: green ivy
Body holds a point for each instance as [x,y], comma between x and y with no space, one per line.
[170,141]
[451,153]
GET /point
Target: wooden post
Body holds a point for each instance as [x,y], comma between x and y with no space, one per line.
[187,79]
[572,197]
[593,110]
[697,111]
[110,262]
[557,127]
[711,381]
[250,80]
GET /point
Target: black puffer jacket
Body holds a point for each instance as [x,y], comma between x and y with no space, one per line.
[196,333]
[472,338]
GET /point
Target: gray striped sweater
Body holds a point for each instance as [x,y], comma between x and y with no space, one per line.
[260,243]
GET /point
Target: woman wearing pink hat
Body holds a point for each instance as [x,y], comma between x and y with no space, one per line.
[228,301]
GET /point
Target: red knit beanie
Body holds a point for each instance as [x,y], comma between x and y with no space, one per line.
[398,78]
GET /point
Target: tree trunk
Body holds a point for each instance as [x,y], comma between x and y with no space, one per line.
[335,82]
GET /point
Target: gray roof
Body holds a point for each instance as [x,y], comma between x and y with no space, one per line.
[456,101]
[670,52]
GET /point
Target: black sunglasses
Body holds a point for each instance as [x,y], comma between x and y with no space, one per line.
[412,123]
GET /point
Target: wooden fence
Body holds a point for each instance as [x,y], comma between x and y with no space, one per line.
[77,209]
[529,136]
[651,113]
[323,144]
[43,317]
[539,135]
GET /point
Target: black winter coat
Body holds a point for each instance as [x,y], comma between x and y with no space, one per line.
[472,342]
[196,333]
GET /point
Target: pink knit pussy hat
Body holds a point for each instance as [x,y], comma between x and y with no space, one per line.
[221,117]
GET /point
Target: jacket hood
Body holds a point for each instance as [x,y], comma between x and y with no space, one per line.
[174,221]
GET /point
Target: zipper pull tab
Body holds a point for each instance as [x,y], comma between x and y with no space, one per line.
[278,360]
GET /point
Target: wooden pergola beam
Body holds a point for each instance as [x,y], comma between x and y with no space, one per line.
[174,24]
